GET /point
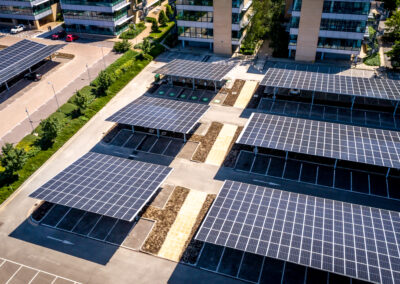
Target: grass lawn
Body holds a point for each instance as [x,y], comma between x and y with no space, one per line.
[373,60]
[122,71]
[159,36]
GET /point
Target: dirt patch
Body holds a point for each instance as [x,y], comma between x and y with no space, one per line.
[193,246]
[230,158]
[233,93]
[164,219]
[206,141]
[64,55]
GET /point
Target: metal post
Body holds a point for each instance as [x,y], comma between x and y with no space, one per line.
[30,70]
[193,84]
[215,86]
[30,120]
[133,129]
[184,137]
[275,91]
[286,157]
[7,86]
[387,174]
[54,91]
[352,102]
[395,108]
[87,69]
[312,98]
[256,150]
[158,133]
[335,164]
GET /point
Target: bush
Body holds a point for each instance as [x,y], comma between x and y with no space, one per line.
[82,100]
[12,159]
[162,19]
[104,81]
[154,27]
[169,12]
[68,108]
[373,60]
[122,46]
[50,128]
[150,20]
[133,31]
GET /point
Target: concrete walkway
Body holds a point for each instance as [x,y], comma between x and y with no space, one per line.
[246,94]
[221,146]
[179,233]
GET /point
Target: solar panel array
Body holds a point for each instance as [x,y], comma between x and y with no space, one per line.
[356,241]
[335,84]
[195,69]
[325,139]
[106,185]
[163,114]
[21,56]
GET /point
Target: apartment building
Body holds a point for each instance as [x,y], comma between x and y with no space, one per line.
[327,28]
[31,13]
[219,25]
[105,17]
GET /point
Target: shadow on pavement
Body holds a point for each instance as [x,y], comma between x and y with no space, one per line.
[71,244]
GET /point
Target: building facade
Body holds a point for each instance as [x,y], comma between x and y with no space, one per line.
[32,13]
[105,17]
[219,25]
[327,28]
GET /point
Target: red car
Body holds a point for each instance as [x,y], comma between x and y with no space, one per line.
[71,37]
[59,35]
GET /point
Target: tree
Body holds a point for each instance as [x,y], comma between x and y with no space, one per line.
[393,26]
[82,100]
[122,46]
[12,159]
[104,81]
[169,11]
[154,27]
[146,45]
[394,55]
[162,19]
[50,127]
[390,5]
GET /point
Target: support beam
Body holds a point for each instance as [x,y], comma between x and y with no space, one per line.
[158,133]
[7,86]
[312,98]
[133,129]
[388,172]
[352,102]
[215,86]
[395,108]
[193,84]
[275,92]
[335,164]
[286,156]
[256,150]
[184,137]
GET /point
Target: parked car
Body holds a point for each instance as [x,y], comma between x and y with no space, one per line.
[71,37]
[17,29]
[33,76]
[59,35]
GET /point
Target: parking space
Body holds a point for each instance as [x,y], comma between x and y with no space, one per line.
[184,94]
[14,272]
[255,268]
[365,118]
[147,142]
[320,174]
[86,224]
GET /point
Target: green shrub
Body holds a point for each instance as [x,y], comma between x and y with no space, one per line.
[162,19]
[50,128]
[122,46]
[104,81]
[133,31]
[12,159]
[169,12]
[150,20]
[68,108]
[154,27]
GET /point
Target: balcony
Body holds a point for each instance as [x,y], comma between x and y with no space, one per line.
[102,21]
[106,7]
[25,15]
[17,3]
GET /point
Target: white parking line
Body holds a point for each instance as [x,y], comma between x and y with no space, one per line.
[35,269]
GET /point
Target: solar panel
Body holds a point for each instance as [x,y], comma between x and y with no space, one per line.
[195,69]
[356,241]
[23,55]
[338,141]
[163,114]
[106,185]
[335,84]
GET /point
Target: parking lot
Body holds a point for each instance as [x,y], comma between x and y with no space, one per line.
[319,174]
[255,268]
[13,272]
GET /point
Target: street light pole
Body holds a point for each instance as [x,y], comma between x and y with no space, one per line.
[54,91]
[87,68]
[29,118]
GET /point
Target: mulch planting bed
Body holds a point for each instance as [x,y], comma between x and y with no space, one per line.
[206,142]
[164,219]
[193,246]
[233,93]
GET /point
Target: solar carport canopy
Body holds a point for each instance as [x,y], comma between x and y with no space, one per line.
[330,83]
[356,241]
[196,70]
[106,185]
[19,57]
[163,114]
[332,140]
